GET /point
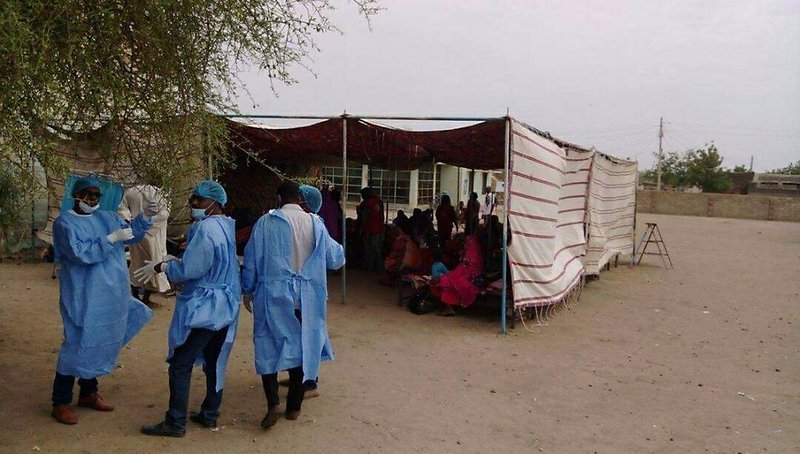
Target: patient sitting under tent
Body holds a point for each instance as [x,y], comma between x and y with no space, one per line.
[404,256]
[461,286]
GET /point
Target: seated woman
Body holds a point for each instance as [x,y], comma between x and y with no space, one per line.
[458,287]
[404,256]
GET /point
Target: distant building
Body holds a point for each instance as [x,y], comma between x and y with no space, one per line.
[409,189]
[741,182]
[775,184]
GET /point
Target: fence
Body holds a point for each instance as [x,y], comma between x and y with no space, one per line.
[719,205]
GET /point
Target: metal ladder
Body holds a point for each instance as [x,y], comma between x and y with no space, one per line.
[653,236]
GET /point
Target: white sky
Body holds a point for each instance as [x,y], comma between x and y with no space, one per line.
[591,72]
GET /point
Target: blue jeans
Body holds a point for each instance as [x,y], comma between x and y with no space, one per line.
[200,342]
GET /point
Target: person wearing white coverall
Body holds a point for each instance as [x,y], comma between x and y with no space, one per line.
[285,285]
[206,312]
[99,313]
[153,246]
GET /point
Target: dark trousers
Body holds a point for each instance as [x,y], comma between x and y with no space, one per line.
[200,341]
[294,400]
[63,384]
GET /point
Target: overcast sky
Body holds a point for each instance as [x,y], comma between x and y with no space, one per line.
[591,72]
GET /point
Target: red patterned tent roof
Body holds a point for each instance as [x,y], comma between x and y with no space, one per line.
[479,146]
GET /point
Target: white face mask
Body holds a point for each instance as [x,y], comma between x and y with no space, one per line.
[86,208]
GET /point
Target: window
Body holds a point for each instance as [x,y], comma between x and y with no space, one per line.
[427,192]
[392,185]
[334,176]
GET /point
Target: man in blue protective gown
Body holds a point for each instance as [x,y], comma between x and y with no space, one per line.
[285,287]
[100,316]
[206,311]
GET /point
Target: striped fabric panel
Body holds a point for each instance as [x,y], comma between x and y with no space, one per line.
[612,202]
[547,211]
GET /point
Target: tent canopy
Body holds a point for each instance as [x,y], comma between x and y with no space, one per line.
[479,146]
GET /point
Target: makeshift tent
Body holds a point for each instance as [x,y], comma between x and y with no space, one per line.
[555,192]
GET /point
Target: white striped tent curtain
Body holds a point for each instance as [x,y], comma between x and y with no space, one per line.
[612,205]
[547,205]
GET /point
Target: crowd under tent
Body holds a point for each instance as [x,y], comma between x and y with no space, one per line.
[570,209]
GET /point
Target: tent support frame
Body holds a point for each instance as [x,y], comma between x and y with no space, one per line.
[344,118]
[504,302]
[344,204]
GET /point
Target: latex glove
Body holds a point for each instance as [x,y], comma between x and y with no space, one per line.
[120,235]
[147,272]
[169,258]
[248,302]
[151,209]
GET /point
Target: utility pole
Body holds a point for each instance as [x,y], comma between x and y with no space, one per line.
[751,163]
[660,136]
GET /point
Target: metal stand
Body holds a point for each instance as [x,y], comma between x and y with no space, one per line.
[653,235]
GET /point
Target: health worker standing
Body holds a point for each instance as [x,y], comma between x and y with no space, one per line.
[206,311]
[153,246]
[284,279]
[99,313]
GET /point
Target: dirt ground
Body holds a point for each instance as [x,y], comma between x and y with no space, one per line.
[701,358]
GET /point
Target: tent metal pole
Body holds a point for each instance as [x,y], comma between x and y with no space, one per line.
[344,205]
[365,117]
[433,195]
[33,209]
[505,229]
[394,196]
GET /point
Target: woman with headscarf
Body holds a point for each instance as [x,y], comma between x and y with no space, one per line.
[445,218]
[457,287]
[331,213]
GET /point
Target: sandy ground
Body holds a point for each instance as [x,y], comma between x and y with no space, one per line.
[701,358]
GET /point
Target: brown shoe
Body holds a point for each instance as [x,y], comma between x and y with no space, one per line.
[272,416]
[65,414]
[293,415]
[95,401]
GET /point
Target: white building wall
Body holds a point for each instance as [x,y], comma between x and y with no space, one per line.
[413,190]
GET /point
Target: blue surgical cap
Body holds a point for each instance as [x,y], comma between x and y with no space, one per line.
[208,189]
[85,183]
[312,196]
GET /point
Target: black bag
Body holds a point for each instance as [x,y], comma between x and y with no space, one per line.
[419,304]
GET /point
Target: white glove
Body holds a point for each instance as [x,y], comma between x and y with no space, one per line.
[120,235]
[151,209]
[147,272]
[169,258]
[248,302]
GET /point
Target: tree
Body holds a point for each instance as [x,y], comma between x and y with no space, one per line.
[704,169]
[701,167]
[154,69]
[740,169]
[673,170]
[792,169]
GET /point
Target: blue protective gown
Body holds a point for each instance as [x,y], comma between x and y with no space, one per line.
[100,316]
[280,341]
[211,293]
